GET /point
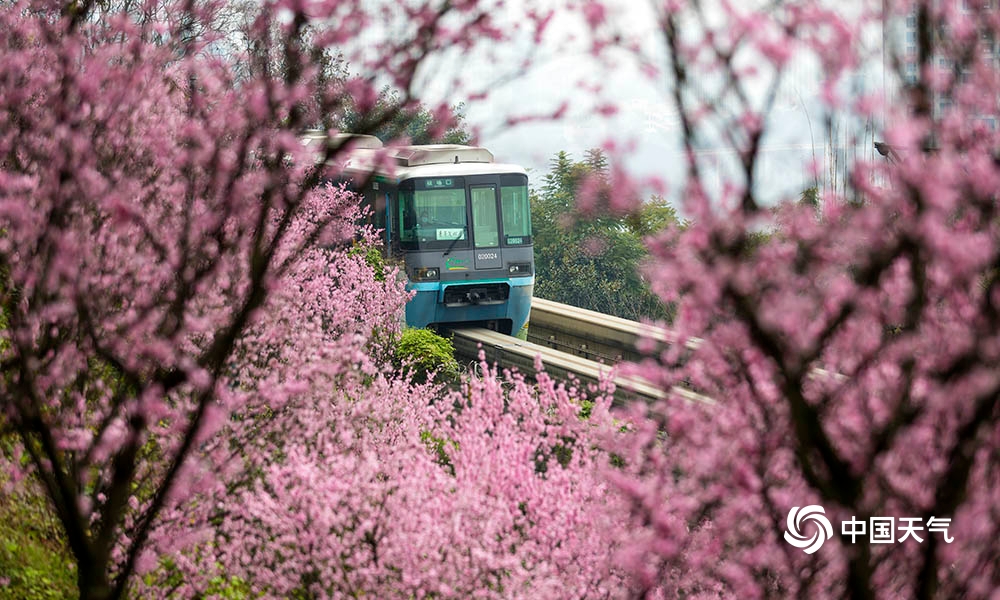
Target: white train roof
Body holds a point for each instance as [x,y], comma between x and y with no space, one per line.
[358,141]
[453,170]
[433,160]
[438,154]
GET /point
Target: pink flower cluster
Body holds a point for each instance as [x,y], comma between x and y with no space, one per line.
[389,489]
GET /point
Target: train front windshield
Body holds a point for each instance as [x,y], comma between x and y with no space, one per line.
[433,212]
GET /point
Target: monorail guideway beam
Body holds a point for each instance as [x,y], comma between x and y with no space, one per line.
[588,333]
[604,337]
[513,353]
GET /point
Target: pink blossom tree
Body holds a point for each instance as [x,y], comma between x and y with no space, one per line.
[159,219]
[389,489]
[853,354]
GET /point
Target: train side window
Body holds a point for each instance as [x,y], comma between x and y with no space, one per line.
[380,212]
[516,210]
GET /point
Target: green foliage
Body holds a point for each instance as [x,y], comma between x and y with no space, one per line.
[594,263]
[423,352]
[4,336]
[373,258]
[229,588]
[810,197]
[439,447]
[754,241]
[35,563]
[655,215]
[168,576]
[390,120]
[563,453]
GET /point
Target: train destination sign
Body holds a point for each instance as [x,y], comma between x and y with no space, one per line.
[438,183]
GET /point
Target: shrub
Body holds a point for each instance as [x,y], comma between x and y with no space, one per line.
[425,352]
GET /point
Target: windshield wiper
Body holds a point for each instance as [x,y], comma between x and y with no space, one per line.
[451,246]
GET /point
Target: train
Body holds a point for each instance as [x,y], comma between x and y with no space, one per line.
[459,222]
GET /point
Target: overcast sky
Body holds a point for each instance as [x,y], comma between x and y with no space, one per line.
[646,120]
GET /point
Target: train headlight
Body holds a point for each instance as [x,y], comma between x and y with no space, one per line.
[426,274]
[520,269]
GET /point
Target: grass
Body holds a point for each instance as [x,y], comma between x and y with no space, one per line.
[35,563]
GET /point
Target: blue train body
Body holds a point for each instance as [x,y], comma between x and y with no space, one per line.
[460,223]
[427,307]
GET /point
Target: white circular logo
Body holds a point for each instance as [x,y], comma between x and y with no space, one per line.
[794,534]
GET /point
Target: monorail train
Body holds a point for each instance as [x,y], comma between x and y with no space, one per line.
[460,222]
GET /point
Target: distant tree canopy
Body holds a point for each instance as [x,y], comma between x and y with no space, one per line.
[594,262]
[401,120]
